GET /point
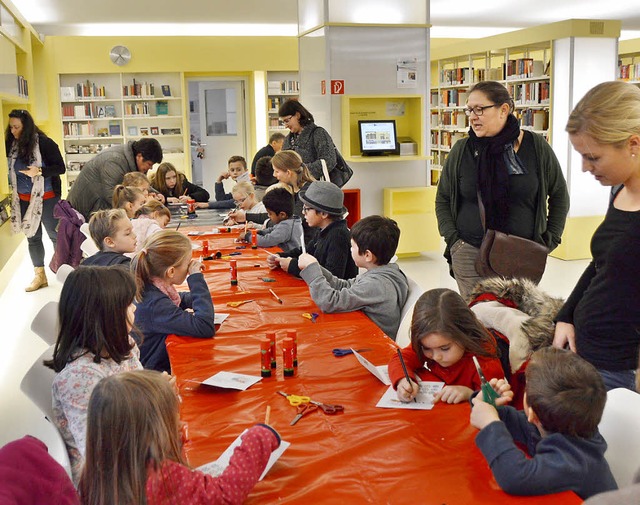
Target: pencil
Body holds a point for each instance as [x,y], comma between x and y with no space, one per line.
[178,227]
[304,249]
[275,296]
[266,416]
[404,367]
[185,192]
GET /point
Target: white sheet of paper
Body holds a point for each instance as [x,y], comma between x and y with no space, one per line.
[230,380]
[304,248]
[380,371]
[424,399]
[219,317]
[215,468]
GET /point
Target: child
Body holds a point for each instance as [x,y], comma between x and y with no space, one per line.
[164,261]
[237,170]
[113,233]
[140,180]
[380,292]
[150,218]
[323,209]
[128,198]
[175,187]
[134,449]
[264,176]
[283,229]
[445,334]
[96,315]
[563,404]
[244,196]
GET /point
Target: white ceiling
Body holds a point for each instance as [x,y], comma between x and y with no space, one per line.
[458,18]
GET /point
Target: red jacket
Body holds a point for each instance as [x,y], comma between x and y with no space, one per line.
[174,483]
[462,373]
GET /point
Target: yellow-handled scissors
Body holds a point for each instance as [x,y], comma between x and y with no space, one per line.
[295,400]
[237,304]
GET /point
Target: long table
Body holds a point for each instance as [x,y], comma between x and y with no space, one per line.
[365,455]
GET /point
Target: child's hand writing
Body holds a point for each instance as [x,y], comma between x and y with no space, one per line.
[453,394]
[195,267]
[503,388]
[407,391]
[238,216]
[304,260]
[482,414]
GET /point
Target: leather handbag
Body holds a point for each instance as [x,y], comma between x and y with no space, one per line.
[504,255]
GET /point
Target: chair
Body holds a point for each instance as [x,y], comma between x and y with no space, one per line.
[63,272]
[620,428]
[37,384]
[84,228]
[45,324]
[89,247]
[415,291]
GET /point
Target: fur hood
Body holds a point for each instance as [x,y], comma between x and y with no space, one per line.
[518,309]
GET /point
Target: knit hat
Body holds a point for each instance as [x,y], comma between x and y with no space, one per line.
[325,197]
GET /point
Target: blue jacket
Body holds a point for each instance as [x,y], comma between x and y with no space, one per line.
[157,316]
[559,462]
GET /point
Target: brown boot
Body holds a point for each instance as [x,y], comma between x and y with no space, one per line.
[39,281]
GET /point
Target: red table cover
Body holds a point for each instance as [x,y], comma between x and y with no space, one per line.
[365,455]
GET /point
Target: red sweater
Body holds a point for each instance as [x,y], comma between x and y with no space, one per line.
[462,373]
[175,483]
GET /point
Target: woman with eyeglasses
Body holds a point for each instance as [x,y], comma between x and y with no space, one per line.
[35,165]
[313,143]
[515,173]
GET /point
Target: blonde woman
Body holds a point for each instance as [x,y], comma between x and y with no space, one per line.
[600,319]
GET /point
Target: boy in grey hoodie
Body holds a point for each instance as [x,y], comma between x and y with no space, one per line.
[380,292]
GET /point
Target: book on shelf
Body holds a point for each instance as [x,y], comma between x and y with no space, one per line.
[78,130]
[283,87]
[170,131]
[166,90]
[23,87]
[89,89]
[114,128]
[103,132]
[162,108]
[136,109]
[110,110]
[138,89]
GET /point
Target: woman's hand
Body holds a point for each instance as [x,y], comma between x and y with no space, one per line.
[31,171]
[453,394]
[482,413]
[565,334]
[407,391]
[195,267]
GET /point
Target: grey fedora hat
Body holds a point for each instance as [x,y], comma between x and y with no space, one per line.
[325,197]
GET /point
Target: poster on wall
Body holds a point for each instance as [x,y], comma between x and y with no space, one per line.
[407,73]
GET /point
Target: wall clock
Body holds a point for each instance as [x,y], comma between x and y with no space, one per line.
[120,55]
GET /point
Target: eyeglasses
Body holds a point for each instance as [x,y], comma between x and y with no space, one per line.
[478,110]
[307,209]
[285,120]
[240,201]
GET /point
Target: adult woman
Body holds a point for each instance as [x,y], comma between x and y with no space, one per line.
[175,187]
[313,143]
[514,171]
[600,319]
[35,165]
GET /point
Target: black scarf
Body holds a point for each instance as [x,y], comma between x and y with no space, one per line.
[495,161]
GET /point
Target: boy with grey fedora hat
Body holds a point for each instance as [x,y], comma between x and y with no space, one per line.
[324,209]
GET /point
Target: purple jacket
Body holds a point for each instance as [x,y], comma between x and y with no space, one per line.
[69,236]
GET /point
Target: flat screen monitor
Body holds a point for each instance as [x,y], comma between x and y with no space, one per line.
[378,137]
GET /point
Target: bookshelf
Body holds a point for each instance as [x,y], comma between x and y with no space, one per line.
[629,61]
[281,86]
[406,110]
[523,70]
[99,111]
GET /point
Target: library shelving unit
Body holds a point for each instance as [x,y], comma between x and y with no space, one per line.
[281,86]
[629,61]
[406,110]
[407,207]
[102,110]
[18,42]
[524,70]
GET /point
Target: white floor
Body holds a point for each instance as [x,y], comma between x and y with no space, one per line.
[21,347]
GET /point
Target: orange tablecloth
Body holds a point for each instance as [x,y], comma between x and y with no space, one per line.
[367,454]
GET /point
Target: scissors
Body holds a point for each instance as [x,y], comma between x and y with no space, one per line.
[328,408]
[338,353]
[311,316]
[295,400]
[237,304]
[303,409]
